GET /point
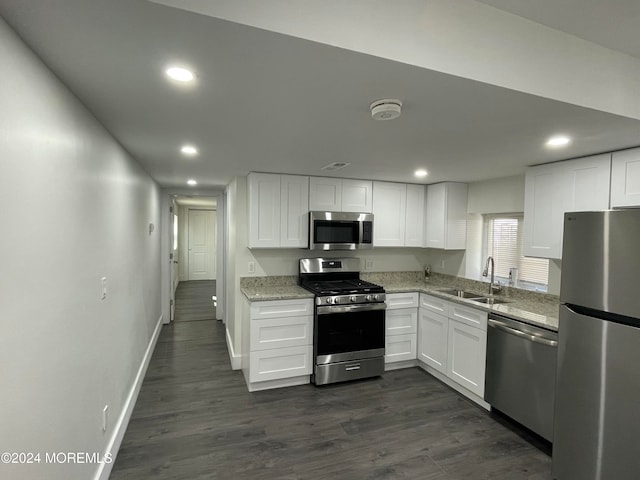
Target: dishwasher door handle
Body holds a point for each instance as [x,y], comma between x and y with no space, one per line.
[534,338]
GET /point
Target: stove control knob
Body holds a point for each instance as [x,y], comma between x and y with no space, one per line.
[371,298]
[353,299]
[329,300]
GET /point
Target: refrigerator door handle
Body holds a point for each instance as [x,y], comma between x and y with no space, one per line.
[534,338]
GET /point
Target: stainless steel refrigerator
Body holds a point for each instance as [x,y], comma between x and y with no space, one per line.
[597,413]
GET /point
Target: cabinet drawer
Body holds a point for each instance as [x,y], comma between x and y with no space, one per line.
[280,363]
[281,308]
[470,316]
[283,332]
[402,300]
[434,304]
[400,347]
[402,321]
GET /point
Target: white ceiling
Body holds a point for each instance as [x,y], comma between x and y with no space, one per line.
[269,102]
[614,24]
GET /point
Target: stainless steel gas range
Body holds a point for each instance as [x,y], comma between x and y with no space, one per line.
[349,320]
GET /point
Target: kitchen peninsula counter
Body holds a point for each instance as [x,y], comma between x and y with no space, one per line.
[539,309]
[536,308]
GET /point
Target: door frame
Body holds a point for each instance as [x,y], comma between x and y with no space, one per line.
[166,225]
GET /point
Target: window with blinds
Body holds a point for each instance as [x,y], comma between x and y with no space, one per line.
[504,244]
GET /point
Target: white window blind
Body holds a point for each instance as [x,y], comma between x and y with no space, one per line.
[504,244]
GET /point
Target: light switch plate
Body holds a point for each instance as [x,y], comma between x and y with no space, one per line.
[103,287]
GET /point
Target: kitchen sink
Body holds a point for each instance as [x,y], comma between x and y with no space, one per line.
[489,300]
[460,293]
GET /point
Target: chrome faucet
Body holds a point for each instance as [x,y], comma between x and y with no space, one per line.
[491,279]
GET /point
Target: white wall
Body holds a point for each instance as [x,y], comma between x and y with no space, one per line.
[498,195]
[237,216]
[76,207]
[285,261]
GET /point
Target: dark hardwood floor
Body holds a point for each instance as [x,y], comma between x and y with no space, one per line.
[195,419]
[194,302]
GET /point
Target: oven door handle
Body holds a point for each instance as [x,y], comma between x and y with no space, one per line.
[367,307]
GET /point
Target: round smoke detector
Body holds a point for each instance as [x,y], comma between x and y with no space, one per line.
[386,109]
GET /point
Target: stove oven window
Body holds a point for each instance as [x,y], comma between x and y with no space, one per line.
[350,332]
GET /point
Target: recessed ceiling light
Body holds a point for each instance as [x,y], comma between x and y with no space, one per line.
[191,182]
[180,74]
[420,173]
[189,150]
[558,141]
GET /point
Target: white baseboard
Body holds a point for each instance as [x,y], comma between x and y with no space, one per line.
[285,382]
[398,365]
[104,469]
[456,386]
[236,360]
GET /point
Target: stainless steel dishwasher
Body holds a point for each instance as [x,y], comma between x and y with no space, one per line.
[521,372]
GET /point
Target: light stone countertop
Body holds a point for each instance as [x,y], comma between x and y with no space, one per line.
[258,289]
[530,307]
[275,292]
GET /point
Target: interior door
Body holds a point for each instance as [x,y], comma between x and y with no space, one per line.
[173,268]
[202,238]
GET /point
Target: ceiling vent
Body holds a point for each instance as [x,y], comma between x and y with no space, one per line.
[335,166]
[386,109]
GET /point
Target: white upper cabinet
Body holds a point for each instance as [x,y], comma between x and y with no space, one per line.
[586,183]
[625,178]
[325,194]
[543,211]
[294,211]
[278,210]
[264,210]
[340,195]
[415,216]
[389,210]
[399,214]
[446,225]
[551,190]
[357,196]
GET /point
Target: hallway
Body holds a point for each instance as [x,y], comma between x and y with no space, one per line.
[194,302]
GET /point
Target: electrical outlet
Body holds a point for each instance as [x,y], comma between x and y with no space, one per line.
[105,417]
[442,264]
[368,264]
[251,267]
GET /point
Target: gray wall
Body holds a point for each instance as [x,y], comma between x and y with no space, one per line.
[76,208]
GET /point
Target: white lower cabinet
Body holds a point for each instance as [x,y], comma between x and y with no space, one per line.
[452,341]
[399,348]
[279,363]
[466,355]
[401,320]
[432,343]
[280,344]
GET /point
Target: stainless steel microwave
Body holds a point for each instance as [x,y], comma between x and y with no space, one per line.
[340,230]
